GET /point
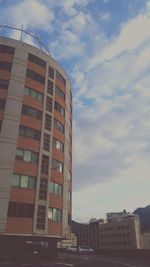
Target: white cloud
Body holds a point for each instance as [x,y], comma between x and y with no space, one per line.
[77,23]
[71,41]
[30,13]
[105,16]
[132,35]
[70,6]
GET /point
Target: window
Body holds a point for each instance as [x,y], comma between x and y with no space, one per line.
[35,76]
[60,78]
[51,72]
[56,188]
[5,65]
[23,181]
[49,104]
[36,60]
[7,49]
[48,122]
[46,143]
[50,87]
[34,94]
[27,155]
[16,209]
[56,165]
[43,189]
[58,145]
[2,103]
[55,214]
[59,92]
[58,125]
[60,109]
[4,84]
[26,110]
[41,217]
[29,132]
[45,164]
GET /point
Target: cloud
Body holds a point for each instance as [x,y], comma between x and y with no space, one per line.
[133,34]
[105,16]
[70,7]
[71,41]
[77,23]
[30,13]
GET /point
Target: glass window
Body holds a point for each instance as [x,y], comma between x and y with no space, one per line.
[39,97]
[50,187]
[58,145]
[26,91]
[59,92]
[51,72]
[56,186]
[24,181]
[49,104]
[50,214]
[48,122]
[50,87]
[7,49]
[58,125]
[60,190]
[59,215]
[60,78]
[32,183]
[54,215]
[2,103]
[56,165]
[35,76]
[27,155]
[33,94]
[34,157]
[19,153]
[60,109]
[46,144]
[4,84]
[37,60]
[15,180]
[5,65]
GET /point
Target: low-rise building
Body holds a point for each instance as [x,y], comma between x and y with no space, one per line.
[66,243]
[118,231]
[146,240]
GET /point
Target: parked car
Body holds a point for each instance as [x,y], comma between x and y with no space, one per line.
[84,249]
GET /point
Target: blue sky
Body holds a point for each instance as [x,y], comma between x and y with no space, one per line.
[104,46]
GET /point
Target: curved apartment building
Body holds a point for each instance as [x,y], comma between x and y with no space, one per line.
[35,143]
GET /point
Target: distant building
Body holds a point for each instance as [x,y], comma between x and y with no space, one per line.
[119,231]
[146,240]
[66,243]
[122,231]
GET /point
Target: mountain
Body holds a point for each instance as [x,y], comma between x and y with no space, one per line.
[144,215]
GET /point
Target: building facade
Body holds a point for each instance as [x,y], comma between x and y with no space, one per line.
[146,240]
[35,143]
[66,243]
[118,231]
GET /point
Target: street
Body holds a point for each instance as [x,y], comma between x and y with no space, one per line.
[82,261]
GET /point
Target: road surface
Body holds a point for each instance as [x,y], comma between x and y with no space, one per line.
[82,261]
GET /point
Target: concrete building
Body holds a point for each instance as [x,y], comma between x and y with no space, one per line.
[146,240]
[122,231]
[118,231]
[35,144]
[66,243]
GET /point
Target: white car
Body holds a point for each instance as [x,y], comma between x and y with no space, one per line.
[81,249]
